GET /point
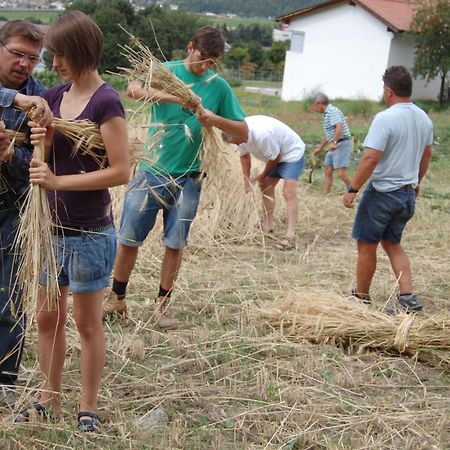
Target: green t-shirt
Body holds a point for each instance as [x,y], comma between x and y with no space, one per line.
[178,150]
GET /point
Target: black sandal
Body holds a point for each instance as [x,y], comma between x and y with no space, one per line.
[87,425]
[42,412]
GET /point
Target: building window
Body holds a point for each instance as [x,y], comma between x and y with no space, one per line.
[297,41]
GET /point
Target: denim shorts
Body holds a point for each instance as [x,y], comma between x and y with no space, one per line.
[85,261]
[383,215]
[147,194]
[288,170]
[340,157]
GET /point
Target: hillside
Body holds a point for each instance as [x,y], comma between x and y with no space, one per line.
[249,8]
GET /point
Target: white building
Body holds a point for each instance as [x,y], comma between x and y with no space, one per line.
[343,47]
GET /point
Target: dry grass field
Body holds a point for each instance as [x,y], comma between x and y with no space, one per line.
[227,380]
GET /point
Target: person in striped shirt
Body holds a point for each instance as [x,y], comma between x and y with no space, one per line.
[339,139]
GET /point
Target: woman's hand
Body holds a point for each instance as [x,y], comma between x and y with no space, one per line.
[41,175]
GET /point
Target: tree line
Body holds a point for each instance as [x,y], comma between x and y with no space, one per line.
[247,8]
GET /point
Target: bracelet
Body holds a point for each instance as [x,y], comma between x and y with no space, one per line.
[351,190]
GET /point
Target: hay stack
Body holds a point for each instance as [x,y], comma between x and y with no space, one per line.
[325,317]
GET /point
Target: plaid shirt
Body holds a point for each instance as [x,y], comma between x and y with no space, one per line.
[14,175]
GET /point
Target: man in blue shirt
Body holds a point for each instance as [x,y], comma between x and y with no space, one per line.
[397,155]
[20,46]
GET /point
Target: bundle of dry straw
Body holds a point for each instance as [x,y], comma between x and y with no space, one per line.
[324,317]
[16,137]
[155,76]
[34,242]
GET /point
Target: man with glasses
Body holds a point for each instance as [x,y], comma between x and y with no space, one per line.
[20,46]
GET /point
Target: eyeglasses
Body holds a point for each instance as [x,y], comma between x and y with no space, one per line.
[32,59]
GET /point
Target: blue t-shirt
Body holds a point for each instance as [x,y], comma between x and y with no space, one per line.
[401,132]
[81,208]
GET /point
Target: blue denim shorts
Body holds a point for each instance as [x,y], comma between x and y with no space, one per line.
[85,261]
[340,157]
[147,194]
[288,170]
[383,215]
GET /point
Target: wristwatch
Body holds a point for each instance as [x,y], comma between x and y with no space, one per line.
[351,190]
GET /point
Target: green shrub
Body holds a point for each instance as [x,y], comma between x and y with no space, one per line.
[117,82]
[49,77]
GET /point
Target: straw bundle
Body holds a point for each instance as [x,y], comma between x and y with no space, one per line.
[154,75]
[16,137]
[328,318]
[35,242]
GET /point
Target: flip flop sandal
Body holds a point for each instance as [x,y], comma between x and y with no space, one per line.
[87,425]
[285,244]
[41,411]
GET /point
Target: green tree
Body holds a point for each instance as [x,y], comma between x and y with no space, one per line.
[430,29]
[108,15]
[235,57]
[165,31]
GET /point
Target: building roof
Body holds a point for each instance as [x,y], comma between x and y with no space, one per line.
[395,14]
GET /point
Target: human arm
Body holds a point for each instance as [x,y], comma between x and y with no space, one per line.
[115,139]
[424,163]
[136,91]
[321,146]
[363,172]
[270,165]
[43,114]
[337,135]
[236,128]
[246,164]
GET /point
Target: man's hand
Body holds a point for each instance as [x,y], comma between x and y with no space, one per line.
[332,146]
[317,151]
[194,103]
[258,179]
[206,117]
[44,115]
[349,198]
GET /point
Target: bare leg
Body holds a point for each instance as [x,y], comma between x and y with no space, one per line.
[343,175]
[290,194]
[52,347]
[268,201]
[170,267]
[400,265]
[366,266]
[125,262]
[328,180]
[87,308]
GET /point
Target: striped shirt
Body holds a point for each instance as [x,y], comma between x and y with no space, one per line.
[14,175]
[331,117]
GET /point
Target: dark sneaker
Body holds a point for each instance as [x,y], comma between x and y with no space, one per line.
[409,302]
[364,298]
[112,306]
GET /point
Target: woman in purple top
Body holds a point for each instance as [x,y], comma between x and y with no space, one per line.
[81,205]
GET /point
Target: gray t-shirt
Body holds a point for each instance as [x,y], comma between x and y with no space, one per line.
[402,132]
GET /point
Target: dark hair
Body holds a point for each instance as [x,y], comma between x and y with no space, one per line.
[209,41]
[78,38]
[399,79]
[22,28]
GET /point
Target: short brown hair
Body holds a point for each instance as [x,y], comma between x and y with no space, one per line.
[399,79]
[78,38]
[22,28]
[209,41]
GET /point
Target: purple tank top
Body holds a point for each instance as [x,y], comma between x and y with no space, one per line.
[81,208]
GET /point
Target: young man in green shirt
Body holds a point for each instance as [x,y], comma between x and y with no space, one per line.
[175,175]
